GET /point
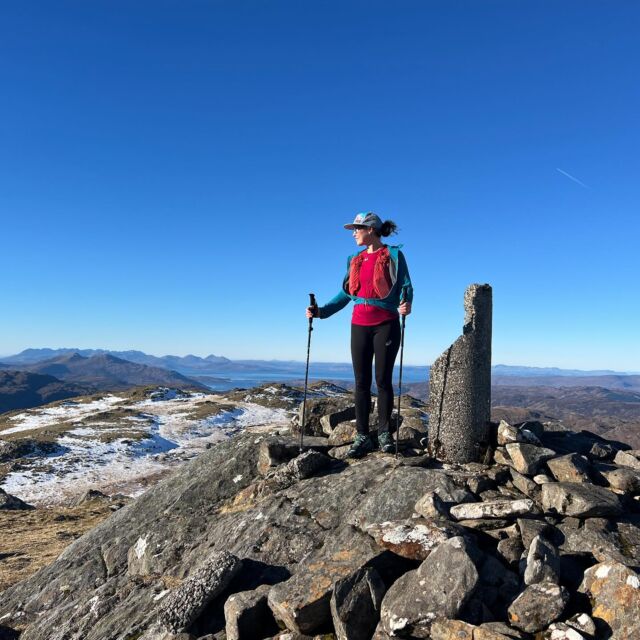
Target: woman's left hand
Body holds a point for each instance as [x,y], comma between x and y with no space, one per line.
[404,309]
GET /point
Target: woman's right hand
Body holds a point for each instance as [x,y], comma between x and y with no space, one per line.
[312,312]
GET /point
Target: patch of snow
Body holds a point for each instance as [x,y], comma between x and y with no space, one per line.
[237,478]
[603,571]
[94,604]
[167,438]
[140,547]
[40,418]
[395,623]
[633,582]
[160,595]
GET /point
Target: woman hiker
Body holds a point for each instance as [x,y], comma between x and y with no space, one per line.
[377,280]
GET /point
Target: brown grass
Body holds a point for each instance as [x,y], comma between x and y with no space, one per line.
[33,539]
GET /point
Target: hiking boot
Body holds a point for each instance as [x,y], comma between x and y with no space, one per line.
[386,442]
[361,446]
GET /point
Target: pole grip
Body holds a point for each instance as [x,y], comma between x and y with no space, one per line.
[312,303]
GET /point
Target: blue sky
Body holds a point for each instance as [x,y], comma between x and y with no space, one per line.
[174,176]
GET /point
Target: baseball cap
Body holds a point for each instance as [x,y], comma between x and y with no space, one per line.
[367,219]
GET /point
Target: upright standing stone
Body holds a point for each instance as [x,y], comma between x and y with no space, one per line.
[460,385]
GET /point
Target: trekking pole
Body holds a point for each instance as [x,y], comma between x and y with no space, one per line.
[312,304]
[404,317]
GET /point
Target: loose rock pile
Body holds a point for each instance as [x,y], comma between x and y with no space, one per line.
[253,540]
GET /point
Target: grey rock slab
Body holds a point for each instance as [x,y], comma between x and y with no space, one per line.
[438,589]
[302,603]
[355,604]
[570,468]
[181,608]
[614,591]
[187,509]
[580,500]
[394,495]
[528,458]
[414,538]
[628,458]
[600,542]
[494,509]
[538,606]
[147,555]
[247,615]
[543,563]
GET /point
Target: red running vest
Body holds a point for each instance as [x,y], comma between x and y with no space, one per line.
[369,314]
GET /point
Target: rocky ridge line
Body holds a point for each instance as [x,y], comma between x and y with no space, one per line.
[541,542]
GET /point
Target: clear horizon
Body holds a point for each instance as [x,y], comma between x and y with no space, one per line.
[177,175]
[409,364]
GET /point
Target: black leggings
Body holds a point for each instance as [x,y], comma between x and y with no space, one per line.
[383,341]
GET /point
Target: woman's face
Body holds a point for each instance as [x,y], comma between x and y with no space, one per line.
[363,236]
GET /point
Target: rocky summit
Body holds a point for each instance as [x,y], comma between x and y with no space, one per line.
[254,539]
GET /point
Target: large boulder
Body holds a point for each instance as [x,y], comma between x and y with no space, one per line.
[492,509]
[579,500]
[543,563]
[181,608]
[247,615]
[414,539]
[538,606]
[628,458]
[528,459]
[302,603]
[355,604]
[438,589]
[570,468]
[614,590]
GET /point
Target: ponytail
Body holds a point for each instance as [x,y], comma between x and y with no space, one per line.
[388,227]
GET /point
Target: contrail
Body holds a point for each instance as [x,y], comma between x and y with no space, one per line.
[564,173]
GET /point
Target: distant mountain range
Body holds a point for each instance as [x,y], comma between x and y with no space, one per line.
[30,356]
[22,390]
[75,374]
[214,365]
[628,382]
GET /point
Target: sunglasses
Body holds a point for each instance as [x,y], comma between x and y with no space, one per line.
[356,229]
